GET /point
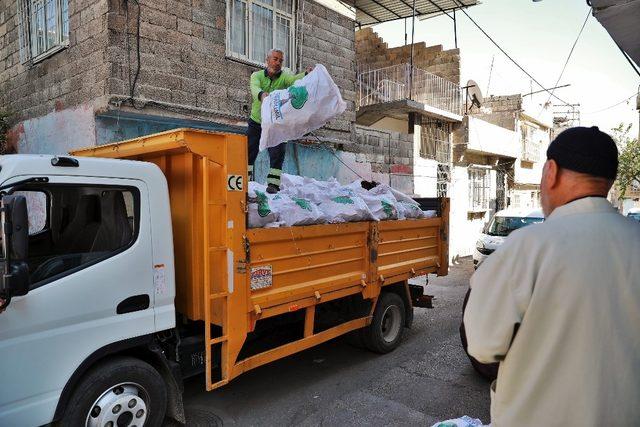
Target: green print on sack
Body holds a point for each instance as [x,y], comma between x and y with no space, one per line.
[263,204]
[343,200]
[387,208]
[299,96]
[303,203]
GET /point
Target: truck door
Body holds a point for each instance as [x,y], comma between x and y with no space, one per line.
[90,265]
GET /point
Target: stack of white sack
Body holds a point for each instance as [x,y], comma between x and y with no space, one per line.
[306,201]
[275,210]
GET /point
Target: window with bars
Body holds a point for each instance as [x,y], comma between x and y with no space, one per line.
[435,141]
[479,189]
[443,180]
[257,26]
[43,28]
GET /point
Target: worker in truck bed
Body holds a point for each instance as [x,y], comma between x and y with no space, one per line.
[262,82]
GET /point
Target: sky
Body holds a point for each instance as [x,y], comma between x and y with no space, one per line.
[539,36]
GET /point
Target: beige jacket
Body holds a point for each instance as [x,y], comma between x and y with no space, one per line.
[573,285]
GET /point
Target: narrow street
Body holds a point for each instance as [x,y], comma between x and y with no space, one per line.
[427,379]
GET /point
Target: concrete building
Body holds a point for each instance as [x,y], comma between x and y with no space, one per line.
[88,72]
[485,158]
[85,72]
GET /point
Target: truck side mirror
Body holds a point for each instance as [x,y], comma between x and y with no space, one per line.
[14,231]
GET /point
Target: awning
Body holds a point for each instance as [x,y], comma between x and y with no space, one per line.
[370,12]
[620,19]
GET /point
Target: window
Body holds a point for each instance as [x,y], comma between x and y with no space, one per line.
[434,141]
[72,227]
[443,180]
[530,144]
[478,189]
[44,27]
[257,26]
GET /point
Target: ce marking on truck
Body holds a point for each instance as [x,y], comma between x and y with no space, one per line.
[235,183]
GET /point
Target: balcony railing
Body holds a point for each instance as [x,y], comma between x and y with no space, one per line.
[530,150]
[400,82]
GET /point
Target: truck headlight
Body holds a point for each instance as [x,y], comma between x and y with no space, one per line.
[479,245]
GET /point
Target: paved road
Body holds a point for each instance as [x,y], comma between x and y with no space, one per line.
[427,379]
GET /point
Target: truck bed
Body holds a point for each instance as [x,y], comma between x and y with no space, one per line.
[230,277]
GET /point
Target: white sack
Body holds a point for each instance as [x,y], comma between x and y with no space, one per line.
[345,208]
[309,188]
[381,203]
[261,209]
[407,207]
[304,107]
[296,211]
[464,421]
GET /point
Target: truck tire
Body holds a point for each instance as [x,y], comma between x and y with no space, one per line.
[385,331]
[121,392]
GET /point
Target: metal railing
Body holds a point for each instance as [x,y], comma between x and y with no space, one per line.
[530,150]
[399,82]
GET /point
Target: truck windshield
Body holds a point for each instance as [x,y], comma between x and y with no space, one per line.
[504,225]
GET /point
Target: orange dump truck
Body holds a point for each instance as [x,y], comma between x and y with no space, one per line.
[226,298]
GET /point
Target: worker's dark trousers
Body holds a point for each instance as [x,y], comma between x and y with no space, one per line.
[276,154]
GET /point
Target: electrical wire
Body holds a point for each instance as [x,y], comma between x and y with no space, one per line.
[613,106]
[509,56]
[564,67]
[133,82]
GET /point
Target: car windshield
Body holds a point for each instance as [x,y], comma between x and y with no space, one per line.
[634,215]
[504,225]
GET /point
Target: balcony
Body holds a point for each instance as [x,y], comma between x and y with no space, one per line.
[400,89]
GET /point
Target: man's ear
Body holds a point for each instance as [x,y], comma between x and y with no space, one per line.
[553,173]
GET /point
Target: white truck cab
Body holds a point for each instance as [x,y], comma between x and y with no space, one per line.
[97,282]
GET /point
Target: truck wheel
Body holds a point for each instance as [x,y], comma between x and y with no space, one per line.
[385,332]
[121,392]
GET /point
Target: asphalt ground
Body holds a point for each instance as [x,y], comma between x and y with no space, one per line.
[426,380]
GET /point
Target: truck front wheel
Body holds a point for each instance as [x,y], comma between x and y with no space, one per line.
[121,392]
[385,332]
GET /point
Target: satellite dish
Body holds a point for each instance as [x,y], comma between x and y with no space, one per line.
[474,94]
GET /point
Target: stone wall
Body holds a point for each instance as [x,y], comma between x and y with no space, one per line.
[183,64]
[68,78]
[183,69]
[502,111]
[372,53]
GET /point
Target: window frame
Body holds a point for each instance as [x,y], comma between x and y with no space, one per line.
[485,188]
[290,57]
[135,232]
[25,26]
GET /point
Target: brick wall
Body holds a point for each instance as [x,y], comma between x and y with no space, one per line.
[66,79]
[500,110]
[372,52]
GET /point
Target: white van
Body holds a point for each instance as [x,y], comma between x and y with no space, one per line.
[500,226]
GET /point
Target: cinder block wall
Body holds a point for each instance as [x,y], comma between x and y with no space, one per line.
[182,63]
[372,52]
[500,110]
[183,46]
[68,78]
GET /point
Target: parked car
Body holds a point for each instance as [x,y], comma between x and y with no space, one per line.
[500,226]
[634,213]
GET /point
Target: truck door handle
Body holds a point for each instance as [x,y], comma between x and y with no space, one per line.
[134,303]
